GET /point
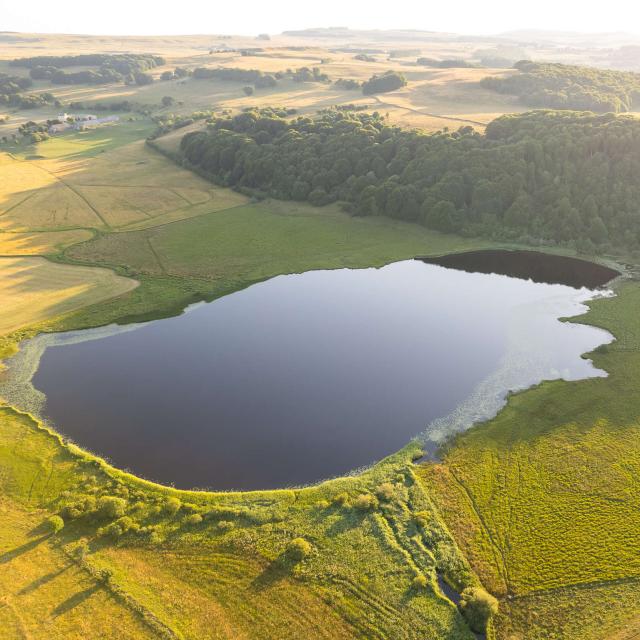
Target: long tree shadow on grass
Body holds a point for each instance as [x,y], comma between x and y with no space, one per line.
[276,571]
[75,600]
[7,556]
[42,580]
[347,521]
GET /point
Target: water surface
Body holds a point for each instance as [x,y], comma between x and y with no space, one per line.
[307,376]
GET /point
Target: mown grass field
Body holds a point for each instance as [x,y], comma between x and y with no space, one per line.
[544,498]
[33,290]
[104,179]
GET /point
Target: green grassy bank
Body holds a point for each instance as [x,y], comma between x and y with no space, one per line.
[544,498]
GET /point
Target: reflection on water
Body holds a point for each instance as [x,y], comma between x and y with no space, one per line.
[306,376]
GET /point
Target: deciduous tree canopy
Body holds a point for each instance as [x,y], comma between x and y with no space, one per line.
[562,86]
[554,177]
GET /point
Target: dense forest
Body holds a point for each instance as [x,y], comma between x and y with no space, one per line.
[562,86]
[546,176]
[110,68]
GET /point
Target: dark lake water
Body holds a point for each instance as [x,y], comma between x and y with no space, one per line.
[307,376]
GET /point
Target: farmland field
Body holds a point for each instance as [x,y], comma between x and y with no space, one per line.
[125,184]
[32,290]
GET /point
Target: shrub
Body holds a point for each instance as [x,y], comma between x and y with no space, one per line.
[340,499]
[194,518]
[422,519]
[139,506]
[104,575]
[119,527]
[477,606]
[225,525]
[111,507]
[172,506]
[365,502]
[420,582]
[155,538]
[298,549]
[142,78]
[80,549]
[78,508]
[72,511]
[54,524]
[385,491]
[248,90]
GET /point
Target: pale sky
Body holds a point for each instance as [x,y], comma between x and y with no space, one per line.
[250,17]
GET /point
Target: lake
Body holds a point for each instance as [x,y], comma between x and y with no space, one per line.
[308,376]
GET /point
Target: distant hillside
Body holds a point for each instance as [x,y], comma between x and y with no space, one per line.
[562,86]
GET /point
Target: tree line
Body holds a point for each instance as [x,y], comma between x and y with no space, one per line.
[563,86]
[548,177]
[129,68]
[447,63]
[258,78]
[122,62]
[378,83]
[12,93]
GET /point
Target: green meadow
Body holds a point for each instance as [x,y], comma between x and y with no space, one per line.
[543,499]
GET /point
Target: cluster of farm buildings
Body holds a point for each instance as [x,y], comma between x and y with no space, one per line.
[78,122]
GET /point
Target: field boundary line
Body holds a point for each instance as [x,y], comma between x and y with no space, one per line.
[595,584]
[74,190]
[156,256]
[124,229]
[430,115]
[501,561]
[14,206]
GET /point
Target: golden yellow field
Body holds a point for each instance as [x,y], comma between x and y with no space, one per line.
[40,243]
[127,186]
[32,289]
[44,596]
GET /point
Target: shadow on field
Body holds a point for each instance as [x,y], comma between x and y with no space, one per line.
[42,580]
[7,556]
[75,600]
[345,523]
[276,571]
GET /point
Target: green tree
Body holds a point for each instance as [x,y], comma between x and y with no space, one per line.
[477,606]
[441,217]
[54,524]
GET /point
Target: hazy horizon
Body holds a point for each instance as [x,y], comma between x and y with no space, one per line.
[120,18]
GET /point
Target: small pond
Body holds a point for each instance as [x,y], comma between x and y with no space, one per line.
[307,376]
